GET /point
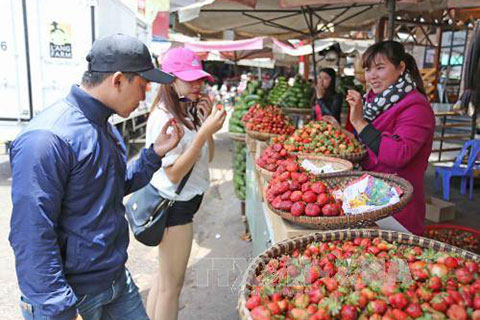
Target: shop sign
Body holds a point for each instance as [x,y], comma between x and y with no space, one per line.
[60,38]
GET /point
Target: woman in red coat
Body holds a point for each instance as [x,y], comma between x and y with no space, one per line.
[395,122]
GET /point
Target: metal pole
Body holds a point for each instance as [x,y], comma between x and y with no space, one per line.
[391,19]
[27,56]
[313,34]
[92,13]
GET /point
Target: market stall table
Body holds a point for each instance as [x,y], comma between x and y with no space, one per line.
[267,228]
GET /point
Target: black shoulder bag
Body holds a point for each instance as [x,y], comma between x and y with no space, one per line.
[147,212]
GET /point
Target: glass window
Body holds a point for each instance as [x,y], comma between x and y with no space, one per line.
[459,38]
[446,38]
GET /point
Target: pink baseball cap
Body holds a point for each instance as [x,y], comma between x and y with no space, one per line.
[184,64]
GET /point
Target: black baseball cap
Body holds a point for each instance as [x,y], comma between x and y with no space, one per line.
[124,53]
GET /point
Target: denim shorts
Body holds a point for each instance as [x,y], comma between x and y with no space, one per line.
[121,301]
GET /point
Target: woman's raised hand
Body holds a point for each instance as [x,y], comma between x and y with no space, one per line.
[214,121]
[354,100]
[204,107]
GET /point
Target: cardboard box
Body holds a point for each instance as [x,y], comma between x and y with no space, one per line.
[439,210]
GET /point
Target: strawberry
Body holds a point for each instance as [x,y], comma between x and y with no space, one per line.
[313,274]
[435,283]
[296,196]
[456,312]
[439,270]
[414,310]
[330,209]
[476,315]
[315,295]
[295,176]
[476,303]
[399,314]
[463,275]
[398,300]
[295,186]
[471,266]
[274,308]
[377,306]
[276,203]
[260,313]
[306,186]
[322,199]
[252,302]
[285,205]
[348,312]
[311,309]
[309,197]
[283,304]
[292,166]
[312,210]
[451,262]
[276,297]
[302,178]
[277,147]
[286,195]
[301,301]
[297,209]
[299,314]
[331,284]
[318,187]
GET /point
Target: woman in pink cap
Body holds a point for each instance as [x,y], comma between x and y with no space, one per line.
[182,101]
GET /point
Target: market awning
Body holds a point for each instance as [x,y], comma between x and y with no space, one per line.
[284,19]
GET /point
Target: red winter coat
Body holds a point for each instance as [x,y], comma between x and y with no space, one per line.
[407,135]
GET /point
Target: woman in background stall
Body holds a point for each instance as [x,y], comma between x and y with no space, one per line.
[327,101]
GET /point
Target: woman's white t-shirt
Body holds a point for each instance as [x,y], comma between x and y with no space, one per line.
[199,180]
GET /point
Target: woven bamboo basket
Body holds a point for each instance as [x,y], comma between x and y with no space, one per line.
[262,136]
[266,175]
[338,164]
[237,136]
[288,246]
[352,157]
[340,180]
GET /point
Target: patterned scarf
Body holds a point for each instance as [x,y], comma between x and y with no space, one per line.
[388,97]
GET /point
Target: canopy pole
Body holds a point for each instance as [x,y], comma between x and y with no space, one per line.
[391,19]
[313,35]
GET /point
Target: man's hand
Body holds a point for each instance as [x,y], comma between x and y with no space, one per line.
[167,141]
[78,317]
[354,100]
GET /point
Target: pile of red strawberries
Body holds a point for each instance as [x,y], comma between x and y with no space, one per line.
[294,190]
[319,137]
[340,280]
[273,156]
[269,119]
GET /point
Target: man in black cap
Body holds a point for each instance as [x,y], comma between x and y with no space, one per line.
[68,229]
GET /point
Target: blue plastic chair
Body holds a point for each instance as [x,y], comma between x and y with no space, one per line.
[459,170]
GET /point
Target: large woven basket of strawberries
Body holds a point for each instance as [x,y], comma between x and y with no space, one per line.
[264,123]
[274,155]
[361,274]
[323,138]
[303,198]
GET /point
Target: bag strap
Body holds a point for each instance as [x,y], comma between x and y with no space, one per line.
[184,181]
